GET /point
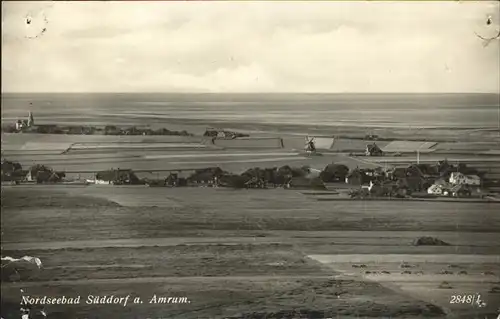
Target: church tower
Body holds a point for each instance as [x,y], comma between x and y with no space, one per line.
[31,121]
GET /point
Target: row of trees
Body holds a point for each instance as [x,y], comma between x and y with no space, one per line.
[113,130]
[92,130]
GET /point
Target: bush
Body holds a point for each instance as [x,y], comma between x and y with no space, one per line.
[429,241]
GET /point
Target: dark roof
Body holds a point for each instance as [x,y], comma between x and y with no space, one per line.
[8,166]
[373,148]
[39,168]
[355,172]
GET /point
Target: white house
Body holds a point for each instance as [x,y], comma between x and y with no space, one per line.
[435,189]
[457,178]
[102,182]
[221,134]
[20,124]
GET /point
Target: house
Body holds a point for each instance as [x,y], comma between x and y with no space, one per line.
[20,124]
[37,170]
[208,176]
[221,134]
[211,132]
[43,174]
[255,182]
[373,150]
[116,177]
[457,178]
[436,189]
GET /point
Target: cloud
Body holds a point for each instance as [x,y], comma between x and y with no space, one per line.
[251,47]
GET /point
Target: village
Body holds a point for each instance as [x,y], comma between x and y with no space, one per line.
[415,181]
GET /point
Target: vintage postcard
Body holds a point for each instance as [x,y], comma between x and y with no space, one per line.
[250,159]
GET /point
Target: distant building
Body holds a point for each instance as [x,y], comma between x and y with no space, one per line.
[221,134]
[20,124]
[373,150]
[31,120]
[116,177]
[436,189]
[457,178]
[43,174]
[206,177]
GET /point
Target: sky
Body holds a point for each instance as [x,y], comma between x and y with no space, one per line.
[325,47]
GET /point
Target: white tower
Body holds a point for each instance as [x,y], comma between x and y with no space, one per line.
[31,121]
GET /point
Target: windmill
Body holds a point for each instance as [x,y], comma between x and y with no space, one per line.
[310,146]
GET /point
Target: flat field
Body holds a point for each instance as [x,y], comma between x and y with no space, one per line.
[249,254]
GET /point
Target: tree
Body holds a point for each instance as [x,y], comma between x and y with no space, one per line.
[334,173]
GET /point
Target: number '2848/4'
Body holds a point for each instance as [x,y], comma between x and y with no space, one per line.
[464,299]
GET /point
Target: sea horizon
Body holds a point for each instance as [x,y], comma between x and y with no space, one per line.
[478,110]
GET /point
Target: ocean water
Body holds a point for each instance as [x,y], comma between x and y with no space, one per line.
[368,110]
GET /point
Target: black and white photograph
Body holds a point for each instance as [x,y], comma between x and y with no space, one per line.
[250,159]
